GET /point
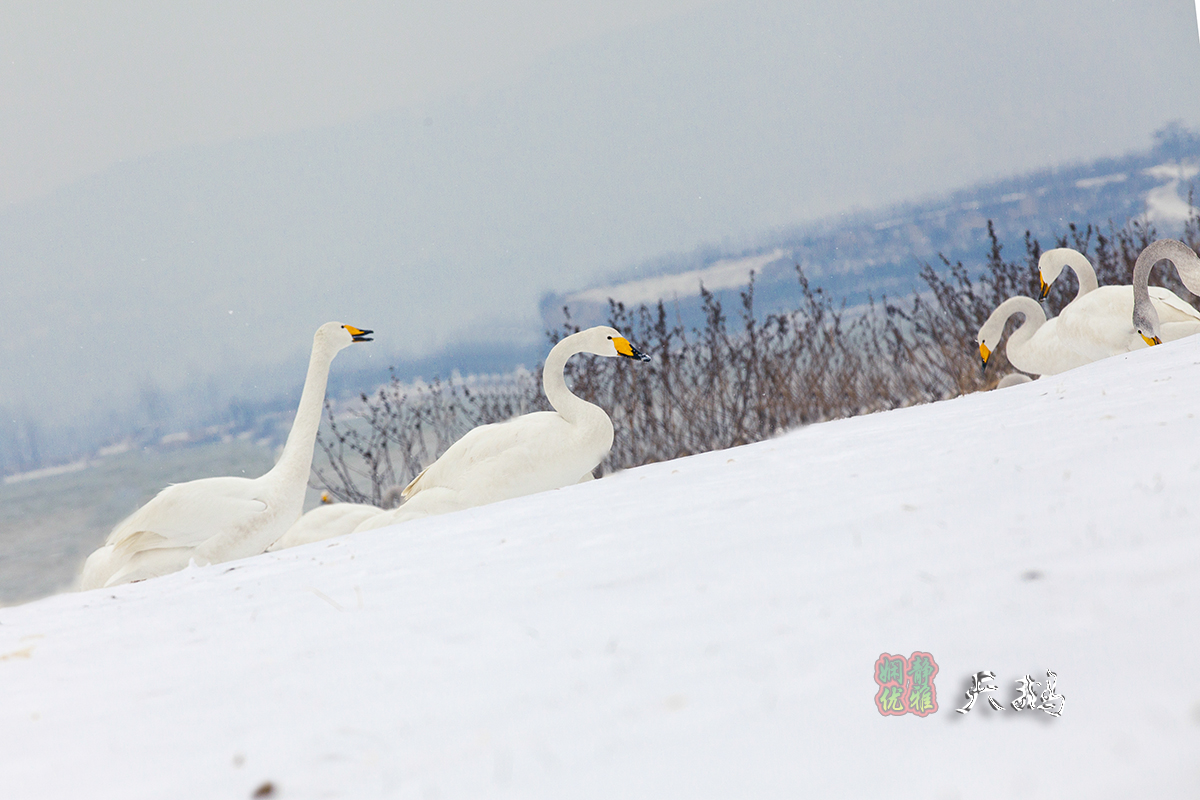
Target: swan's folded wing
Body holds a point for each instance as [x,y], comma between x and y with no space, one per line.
[1175,303]
[150,564]
[187,514]
[137,540]
[413,486]
[508,441]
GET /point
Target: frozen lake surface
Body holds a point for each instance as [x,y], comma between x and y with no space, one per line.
[52,523]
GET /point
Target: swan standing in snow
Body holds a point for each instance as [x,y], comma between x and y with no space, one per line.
[325,522]
[531,453]
[219,519]
[1033,347]
[1151,326]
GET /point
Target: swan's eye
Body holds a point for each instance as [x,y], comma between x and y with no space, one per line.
[610,338]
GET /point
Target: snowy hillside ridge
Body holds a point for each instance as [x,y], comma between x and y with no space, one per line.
[879,251]
[705,627]
[853,255]
[731,273]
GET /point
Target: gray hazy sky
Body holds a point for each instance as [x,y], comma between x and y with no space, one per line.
[85,85]
[228,178]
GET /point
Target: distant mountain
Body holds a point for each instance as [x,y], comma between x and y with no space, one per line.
[868,253]
[879,252]
[166,287]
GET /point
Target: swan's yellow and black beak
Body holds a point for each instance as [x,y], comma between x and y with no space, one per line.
[358,333]
[985,354]
[1150,340]
[1045,288]
[624,348]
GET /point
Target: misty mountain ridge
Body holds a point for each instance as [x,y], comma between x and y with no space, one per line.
[162,291]
[869,254]
[854,256]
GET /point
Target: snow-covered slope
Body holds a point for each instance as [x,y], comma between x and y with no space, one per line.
[701,628]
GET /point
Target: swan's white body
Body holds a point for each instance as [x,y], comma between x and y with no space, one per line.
[1035,346]
[219,519]
[325,522]
[1013,379]
[1147,320]
[1097,323]
[1100,325]
[531,453]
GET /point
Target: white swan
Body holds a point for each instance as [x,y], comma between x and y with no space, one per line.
[219,519]
[1013,379]
[325,522]
[1035,346]
[1050,266]
[531,453]
[1101,323]
[1151,326]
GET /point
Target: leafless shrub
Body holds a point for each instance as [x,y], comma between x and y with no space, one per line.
[738,380]
[386,438]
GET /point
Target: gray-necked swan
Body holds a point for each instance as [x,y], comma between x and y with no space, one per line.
[1147,320]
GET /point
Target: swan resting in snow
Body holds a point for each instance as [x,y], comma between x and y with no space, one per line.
[219,519]
[1148,323]
[325,522]
[1035,346]
[1102,323]
[531,453]
[1013,379]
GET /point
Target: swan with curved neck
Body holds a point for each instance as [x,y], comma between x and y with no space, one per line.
[531,453]
[1105,322]
[1052,262]
[219,519]
[1145,319]
[1033,347]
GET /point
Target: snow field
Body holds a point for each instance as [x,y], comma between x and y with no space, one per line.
[705,627]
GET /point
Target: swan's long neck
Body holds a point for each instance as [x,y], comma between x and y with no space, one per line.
[570,407]
[1085,273]
[1035,318]
[1141,280]
[296,461]
[1185,261]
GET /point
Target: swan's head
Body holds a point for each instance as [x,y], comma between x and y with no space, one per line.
[608,342]
[334,336]
[1051,264]
[1145,321]
[989,335]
